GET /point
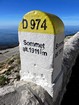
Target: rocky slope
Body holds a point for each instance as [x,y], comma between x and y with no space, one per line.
[9,70]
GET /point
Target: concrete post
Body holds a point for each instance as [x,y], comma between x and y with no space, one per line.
[41,40]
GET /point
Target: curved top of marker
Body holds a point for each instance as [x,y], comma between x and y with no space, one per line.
[41,22]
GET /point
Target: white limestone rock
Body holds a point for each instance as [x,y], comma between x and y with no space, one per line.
[71,51]
[24,93]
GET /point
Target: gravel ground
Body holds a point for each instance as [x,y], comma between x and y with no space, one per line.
[9,66]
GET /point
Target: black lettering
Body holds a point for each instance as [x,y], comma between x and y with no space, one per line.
[32,50]
[25,49]
[38,22]
[40,51]
[36,51]
[31,43]
[56,46]
[44,53]
[32,22]
[43,45]
[36,44]
[24,23]
[24,42]
[43,25]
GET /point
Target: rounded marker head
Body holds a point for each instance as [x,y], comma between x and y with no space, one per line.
[41,22]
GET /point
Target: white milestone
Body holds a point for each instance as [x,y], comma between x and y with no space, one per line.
[41,40]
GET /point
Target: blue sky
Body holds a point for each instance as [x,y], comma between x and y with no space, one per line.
[12,11]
